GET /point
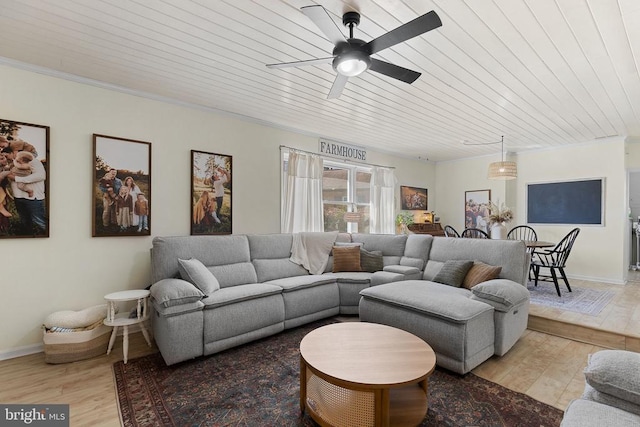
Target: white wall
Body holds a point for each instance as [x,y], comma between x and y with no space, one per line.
[70,270]
[599,252]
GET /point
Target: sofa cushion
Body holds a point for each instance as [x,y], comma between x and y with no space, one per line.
[431,269]
[581,413]
[371,261]
[591,393]
[363,277]
[453,272]
[170,292]
[480,272]
[615,372]
[289,284]
[238,293]
[346,258]
[194,271]
[430,298]
[502,294]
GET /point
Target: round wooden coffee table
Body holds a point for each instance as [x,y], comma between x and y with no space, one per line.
[364,374]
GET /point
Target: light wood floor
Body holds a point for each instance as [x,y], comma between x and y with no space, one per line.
[546,367]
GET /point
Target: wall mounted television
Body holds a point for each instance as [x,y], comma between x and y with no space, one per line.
[575,202]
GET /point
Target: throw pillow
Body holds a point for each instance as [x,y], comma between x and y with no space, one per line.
[170,292]
[453,272]
[194,271]
[371,261]
[480,272]
[616,373]
[346,258]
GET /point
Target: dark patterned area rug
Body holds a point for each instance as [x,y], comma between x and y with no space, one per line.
[257,384]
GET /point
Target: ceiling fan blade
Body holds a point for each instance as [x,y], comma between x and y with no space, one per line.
[337,87]
[420,25]
[301,63]
[323,21]
[394,71]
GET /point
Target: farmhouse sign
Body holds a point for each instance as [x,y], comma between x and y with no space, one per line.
[343,151]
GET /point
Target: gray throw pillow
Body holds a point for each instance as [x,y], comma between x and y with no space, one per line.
[616,373]
[371,261]
[170,292]
[194,271]
[453,272]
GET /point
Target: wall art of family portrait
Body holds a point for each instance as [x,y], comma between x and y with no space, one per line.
[210,193]
[477,209]
[121,201]
[24,180]
[413,198]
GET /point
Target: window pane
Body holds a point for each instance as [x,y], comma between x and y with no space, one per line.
[363,180]
[334,217]
[363,223]
[335,184]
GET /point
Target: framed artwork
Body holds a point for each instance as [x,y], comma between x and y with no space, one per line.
[24,180]
[477,209]
[121,202]
[210,193]
[413,198]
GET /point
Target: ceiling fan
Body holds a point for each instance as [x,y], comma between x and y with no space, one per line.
[352,57]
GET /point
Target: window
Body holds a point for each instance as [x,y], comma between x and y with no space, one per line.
[346,196]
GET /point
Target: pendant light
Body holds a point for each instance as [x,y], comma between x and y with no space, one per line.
[504,169]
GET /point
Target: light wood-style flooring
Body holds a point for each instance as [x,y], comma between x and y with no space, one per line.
[543,366]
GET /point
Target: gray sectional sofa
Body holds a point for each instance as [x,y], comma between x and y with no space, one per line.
[258,292]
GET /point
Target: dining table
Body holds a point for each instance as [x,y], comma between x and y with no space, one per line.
[538,244]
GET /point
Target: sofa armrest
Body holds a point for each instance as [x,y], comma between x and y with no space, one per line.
[613,377]
[382,277]
[502,294]
[402,269]
[174,292]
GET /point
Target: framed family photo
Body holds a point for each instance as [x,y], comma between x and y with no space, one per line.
[477,209]
[24,179]
[413,198]
[121,202]
[210,193]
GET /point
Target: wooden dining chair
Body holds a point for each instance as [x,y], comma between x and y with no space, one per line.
[474,233]
[449,231]
[526,233]
[554,259]
[523,232]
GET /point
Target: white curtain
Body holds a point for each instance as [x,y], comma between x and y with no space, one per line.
[381,215]
[303,198]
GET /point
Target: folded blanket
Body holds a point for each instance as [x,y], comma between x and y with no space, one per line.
[311,250]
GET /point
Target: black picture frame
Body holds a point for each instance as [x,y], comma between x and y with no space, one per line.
[119,163]
[24,180]
[211,213]
[413,198]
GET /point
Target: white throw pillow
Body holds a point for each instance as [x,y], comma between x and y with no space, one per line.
[194,271]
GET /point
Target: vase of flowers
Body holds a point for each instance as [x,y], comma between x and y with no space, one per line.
[499,216]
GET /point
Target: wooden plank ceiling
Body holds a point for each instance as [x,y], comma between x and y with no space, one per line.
[543,73]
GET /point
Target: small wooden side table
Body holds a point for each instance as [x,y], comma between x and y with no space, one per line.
[142,314]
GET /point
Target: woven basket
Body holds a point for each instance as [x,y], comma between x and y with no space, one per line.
[64,347]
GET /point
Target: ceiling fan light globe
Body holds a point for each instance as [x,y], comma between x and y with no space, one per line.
[352,63]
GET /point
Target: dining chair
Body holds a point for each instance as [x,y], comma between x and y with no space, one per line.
[449,231]
[526,233]
[474,233]
[522,232]
[554,259]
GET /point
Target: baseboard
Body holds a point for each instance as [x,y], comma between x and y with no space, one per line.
[21,351]
[596,279]
[26,350]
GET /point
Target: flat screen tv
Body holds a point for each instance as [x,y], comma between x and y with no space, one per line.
[577,202]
